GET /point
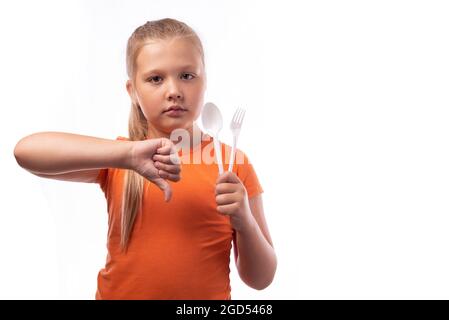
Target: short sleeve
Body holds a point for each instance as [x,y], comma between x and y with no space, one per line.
[103,176]
[102,179]
[247,174]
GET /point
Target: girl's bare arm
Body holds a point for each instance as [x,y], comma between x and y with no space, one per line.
[71,157]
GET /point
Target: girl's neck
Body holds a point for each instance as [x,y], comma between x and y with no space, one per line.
[153,133]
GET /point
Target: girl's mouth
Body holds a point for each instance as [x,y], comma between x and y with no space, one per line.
[175,113]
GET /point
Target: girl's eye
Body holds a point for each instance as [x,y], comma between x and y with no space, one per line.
[188,74]
[152,78]
[156,79]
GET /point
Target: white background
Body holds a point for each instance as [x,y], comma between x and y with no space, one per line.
[347,126]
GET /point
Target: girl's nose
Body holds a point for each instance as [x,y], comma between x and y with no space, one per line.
[175,94]
[174,91]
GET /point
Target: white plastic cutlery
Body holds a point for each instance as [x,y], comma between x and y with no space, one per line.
[236,125]
[212,123]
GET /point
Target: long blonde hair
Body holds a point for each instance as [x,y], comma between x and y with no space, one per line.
[138,125]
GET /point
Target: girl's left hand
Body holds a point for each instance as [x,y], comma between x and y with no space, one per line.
[232,200]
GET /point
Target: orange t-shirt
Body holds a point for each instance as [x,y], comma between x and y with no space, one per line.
[178,249]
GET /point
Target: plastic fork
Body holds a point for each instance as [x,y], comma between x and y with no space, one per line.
[236,125]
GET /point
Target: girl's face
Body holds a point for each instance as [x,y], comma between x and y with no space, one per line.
[169,73]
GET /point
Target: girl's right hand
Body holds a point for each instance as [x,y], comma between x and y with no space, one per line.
[157,161]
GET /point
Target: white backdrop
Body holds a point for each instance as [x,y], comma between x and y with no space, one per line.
[347,109]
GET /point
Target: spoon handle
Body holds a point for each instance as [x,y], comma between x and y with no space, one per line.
[217,147]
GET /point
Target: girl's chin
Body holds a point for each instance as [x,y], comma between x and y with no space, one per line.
[186,125]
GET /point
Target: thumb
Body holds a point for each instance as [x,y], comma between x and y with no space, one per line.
[229,177]
[164,186]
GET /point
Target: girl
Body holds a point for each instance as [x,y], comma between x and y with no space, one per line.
[173,244]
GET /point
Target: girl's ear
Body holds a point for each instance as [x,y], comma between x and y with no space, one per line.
[129,88]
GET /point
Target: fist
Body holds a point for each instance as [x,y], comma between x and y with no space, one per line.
[232,200]
[157,161]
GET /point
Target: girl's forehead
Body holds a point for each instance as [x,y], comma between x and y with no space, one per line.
[162,54]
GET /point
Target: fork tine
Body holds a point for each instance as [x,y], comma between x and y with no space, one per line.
[242,115]
[234,118]
[238,113]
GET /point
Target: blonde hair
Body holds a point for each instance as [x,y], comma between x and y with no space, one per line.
[138,125]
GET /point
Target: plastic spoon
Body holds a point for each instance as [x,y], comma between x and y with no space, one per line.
[212,123]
